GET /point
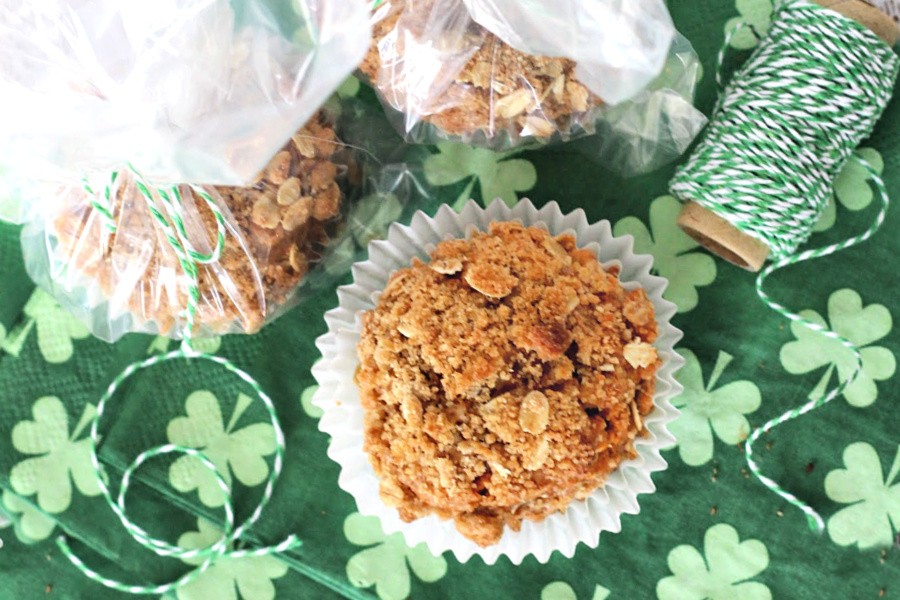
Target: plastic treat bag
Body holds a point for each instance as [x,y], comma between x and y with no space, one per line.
[505,74]
[131,279]
[169,96]
[202,91]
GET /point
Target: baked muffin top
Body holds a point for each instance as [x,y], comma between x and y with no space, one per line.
[504,379]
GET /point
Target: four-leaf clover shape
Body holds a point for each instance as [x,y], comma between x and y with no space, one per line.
[384,564]
[250,575]
[498,175]
[861,325]
[56,328]
[672,250]
[704,409]
[239,452]
[58,457]
[722,575]
[874,514]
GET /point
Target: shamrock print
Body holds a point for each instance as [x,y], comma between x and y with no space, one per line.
[559,590]
[349,88]
[31,525]
[861,325]
[704,410]
[239,452]
[498,175]
[250,575]
[384,565]
[12,206]
[672,250]
[874,512]
[59,458]
[851,188]
[722,575]
[306,401]
[370,218]
[757,13]
[56,329]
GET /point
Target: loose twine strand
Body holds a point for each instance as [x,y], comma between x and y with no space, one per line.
[782,130]
[189,258]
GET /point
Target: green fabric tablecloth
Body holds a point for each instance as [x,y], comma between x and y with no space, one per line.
[710,530]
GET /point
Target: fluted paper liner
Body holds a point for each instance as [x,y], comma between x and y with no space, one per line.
[338,395]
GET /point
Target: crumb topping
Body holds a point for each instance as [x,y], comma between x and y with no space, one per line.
[503,380]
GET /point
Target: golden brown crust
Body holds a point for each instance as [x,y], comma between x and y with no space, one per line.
[496,381]
[277,228]
[500,88]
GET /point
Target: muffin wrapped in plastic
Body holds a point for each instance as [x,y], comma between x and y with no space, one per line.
[134,129]
[504,74]
[122,273]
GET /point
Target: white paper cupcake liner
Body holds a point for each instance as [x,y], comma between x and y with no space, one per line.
[338,395]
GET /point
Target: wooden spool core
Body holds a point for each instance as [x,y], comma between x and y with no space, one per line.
[721,237]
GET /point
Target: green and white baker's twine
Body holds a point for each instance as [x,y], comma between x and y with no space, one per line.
[189,259]
[782,130]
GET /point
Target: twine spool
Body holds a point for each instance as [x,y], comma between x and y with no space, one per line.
[781,131]
[719,234]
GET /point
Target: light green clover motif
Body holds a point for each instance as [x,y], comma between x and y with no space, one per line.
[874,514]
[210,345]
[863,327]
[56,329]
[306,400]
[349,88]
[384,565]
[30,525]
[368,220]
[704,410]
[250,575]
[60,458]
[723,575]
[498,175]
[12,205]
[560,590]
[672,250]
[239,452]
[757,13]
[851,188]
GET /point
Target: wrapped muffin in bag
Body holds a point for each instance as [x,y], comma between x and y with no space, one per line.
[123,275]
[210,104]
[507,74]
[200,91]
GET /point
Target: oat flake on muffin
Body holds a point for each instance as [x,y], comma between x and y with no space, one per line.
[503,380]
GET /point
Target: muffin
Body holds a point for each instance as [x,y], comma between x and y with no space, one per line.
[484,87]
[503,380]
[274,230]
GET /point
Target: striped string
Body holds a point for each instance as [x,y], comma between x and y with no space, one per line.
[782,130]
[189,259]
[104,208]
